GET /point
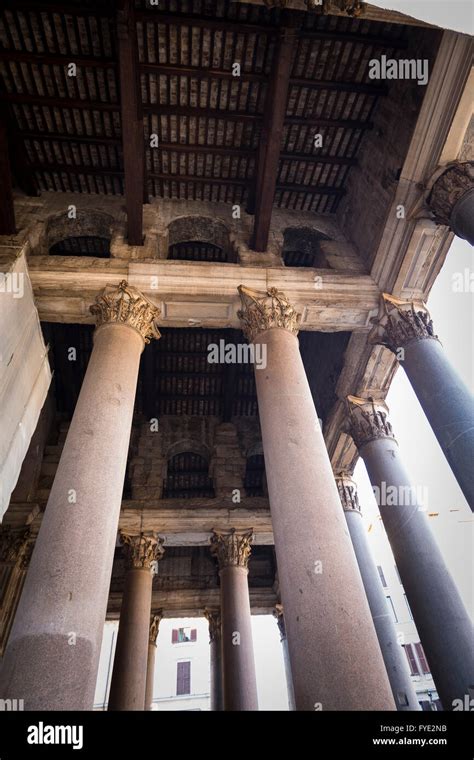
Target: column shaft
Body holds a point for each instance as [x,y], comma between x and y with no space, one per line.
[288,675]
[448,406]
[216,674]
[53,653]
[127,689]
[239,678]
[440,616]
[150,676]
[335,659]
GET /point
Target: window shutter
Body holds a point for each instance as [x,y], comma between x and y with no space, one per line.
[382,576]
[425,668]
[193,634]
[414,670]
[174,636]
[183,678]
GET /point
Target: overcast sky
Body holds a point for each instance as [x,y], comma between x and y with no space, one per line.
[450,14]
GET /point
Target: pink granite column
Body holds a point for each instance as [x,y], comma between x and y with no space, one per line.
[215,644]
[334,653]
[128,686]
[232,550]
[150,668]
[53,653]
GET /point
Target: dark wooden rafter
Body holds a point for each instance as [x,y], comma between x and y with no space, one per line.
[7,210]
[271,136]
[132,122]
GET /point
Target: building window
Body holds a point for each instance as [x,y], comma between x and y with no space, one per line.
[408,606]
[382,576]
[425,669]
[392,608]
[183,678]
[183,635]
[414,670]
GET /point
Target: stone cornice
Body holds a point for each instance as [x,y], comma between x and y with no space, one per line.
[125,305]
[142,551]
[400,323]
[232,549]
[263,311]
[368,420]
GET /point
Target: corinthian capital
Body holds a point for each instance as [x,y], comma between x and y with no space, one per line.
[368,420]
[15,545]
[280,618]
[448,189]
[401,322]
[213,617]
[125,305]
[142,551]
[155,626]
[347,492]
[232,548]
[262,311]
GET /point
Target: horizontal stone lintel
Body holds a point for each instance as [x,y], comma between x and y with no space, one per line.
[192,602]
[180,526]
[201,294]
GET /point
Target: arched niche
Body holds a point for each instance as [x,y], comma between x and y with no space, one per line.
[301,248]
[187,475]
[88,234]
[199,238]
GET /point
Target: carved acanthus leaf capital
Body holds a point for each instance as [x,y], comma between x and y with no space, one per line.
[280,618]
[213,617]
[368,420]
[401,322]
[155,626]
[127,306]
[232,548]
[347,492]
[15,545]
[142,551]
[262,311]
[449,188]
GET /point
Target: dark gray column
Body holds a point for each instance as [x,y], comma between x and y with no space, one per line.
[442,621]
[53,652]
[278,614]
[407,330]
[150,668]
[393,655]
[451,199]
[215,645]
[336,662]
[232,550]
[129,675]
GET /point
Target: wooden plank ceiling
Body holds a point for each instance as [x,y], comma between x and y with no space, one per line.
[167,71]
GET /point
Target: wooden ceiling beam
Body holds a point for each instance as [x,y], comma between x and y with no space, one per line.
[271,136]
[7,209]
[56,59]
[132,121]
